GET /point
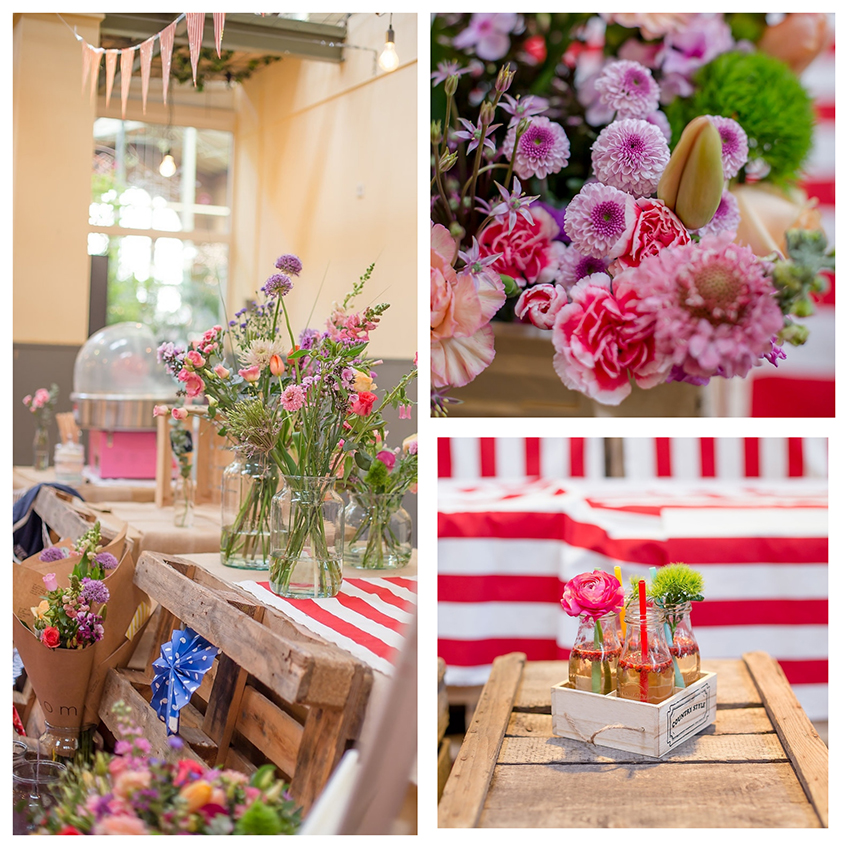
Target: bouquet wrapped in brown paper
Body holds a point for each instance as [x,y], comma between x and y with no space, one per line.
[77,613]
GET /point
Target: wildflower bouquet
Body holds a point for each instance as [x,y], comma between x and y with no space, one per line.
[133,792]
[607,192]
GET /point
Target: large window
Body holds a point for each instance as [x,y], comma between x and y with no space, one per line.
[160,212]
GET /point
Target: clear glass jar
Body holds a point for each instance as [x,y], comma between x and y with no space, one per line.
[19,750]
[682,643]
[593,662]
[68,462]
[59,743]
[248,486]
[35,786]
[378,531]
[41,448]
[307,538]
[183,496]
[645,671]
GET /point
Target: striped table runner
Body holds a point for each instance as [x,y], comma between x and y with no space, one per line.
[762,548]
[367,618]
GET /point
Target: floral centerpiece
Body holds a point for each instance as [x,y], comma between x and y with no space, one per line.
[134,793]
[41,404]
[603,185]
[297,408]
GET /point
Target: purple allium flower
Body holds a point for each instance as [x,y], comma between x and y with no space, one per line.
[734,145]
[542,149]
[628,88]
[600,220]
[94,591]
[51,555]
[522,107]
[574,266]
[475,134]
[447,69]
[726,217]
[277,284]
[513,204]
[106,561]
[488,33]
[289,264]
[630,155]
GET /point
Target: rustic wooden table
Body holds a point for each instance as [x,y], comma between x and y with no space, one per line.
[761,764]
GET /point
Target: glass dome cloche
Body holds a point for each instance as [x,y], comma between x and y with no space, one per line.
[118,380]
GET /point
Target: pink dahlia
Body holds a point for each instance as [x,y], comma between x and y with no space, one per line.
[603,339]
[714,305]
[734,145]
[542,149]
[461,306]
[630,155]
[727,217]
[529,252]
[628,88]
[600,220]
[574,266]
[657,228]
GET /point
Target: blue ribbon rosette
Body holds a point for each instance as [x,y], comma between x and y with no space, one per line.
[178,673]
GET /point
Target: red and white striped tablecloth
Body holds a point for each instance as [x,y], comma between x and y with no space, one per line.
[506,549]
[368,618]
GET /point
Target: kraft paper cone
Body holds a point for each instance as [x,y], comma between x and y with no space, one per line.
[59,676]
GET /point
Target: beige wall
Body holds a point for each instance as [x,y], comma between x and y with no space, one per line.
[307,136]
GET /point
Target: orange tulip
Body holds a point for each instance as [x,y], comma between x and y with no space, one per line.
[277,365]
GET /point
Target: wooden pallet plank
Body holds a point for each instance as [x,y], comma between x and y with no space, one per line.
[271,730]
[803,745]
[466,788]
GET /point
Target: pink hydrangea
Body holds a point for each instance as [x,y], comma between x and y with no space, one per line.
[603,339]
[715,308]
[657,228]
[461,306]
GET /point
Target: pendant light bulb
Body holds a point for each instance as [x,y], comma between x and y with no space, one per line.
[168,167]
[389,59]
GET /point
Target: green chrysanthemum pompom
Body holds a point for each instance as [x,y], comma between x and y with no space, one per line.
[765,97]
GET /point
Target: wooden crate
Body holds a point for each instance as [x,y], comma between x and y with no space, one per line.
[444,761]
[273,695]
[640,728]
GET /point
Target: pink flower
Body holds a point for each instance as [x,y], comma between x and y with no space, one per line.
[50,637]
[387,458]
[461,306]
[599,220]
[194,385]
[529,254]
[28,400]
[540,304]
[195,359]
[602,339]
[657,227]
[543,149]
[363,403]
[41,397]
[488,33]
[50,582]
[160,409]
[120,825]
[594,594]
[405,411]
[292,398]
[179,413]
[250,374]
[221,371]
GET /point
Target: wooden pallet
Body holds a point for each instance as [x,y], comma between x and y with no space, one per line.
[273,695]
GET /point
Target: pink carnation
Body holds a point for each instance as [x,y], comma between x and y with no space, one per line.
[539,305]
[602,339]
[657,227]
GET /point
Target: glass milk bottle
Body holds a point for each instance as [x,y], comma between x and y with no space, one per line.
[645,671]
[593,662]
[681,639]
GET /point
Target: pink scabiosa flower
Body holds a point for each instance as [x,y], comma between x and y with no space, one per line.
[292,398]
[714,305]
[628,88]
[529,252]
[543,149]
[600,220]
[602,340]
[727,217]
[539,305]
[657,228]
[630,155]
[488,33]
[734,145]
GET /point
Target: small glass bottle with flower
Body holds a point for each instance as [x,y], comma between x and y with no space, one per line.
[41,404]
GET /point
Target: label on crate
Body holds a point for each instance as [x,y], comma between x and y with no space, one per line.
[689,715]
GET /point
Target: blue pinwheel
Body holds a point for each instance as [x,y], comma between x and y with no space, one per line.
[178,673]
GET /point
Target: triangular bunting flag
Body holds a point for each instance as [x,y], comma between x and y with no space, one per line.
[146,53]
[195,21]
[218,19]
[166,47]
[126,74]
[96,56]
[86,62]
[111,63]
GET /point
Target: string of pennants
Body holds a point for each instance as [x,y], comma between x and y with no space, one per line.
[92,57]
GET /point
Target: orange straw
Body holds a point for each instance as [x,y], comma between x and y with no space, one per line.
[621,611]
[643,627]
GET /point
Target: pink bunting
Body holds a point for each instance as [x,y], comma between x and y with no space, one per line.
[195,22]
[96,56]
[166,47]
[111,63]
[146,52]
[126,74]
[218,19]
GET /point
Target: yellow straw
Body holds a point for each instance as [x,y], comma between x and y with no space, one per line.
[621,611]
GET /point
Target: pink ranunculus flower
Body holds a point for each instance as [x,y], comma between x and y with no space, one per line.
[194,385]
[194,357]
[657,227]
[593,593]
[387,458]
[539,305]
[250,374]
[50,582]
[602,339]
[461,306]
[529,254]
[179,413]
